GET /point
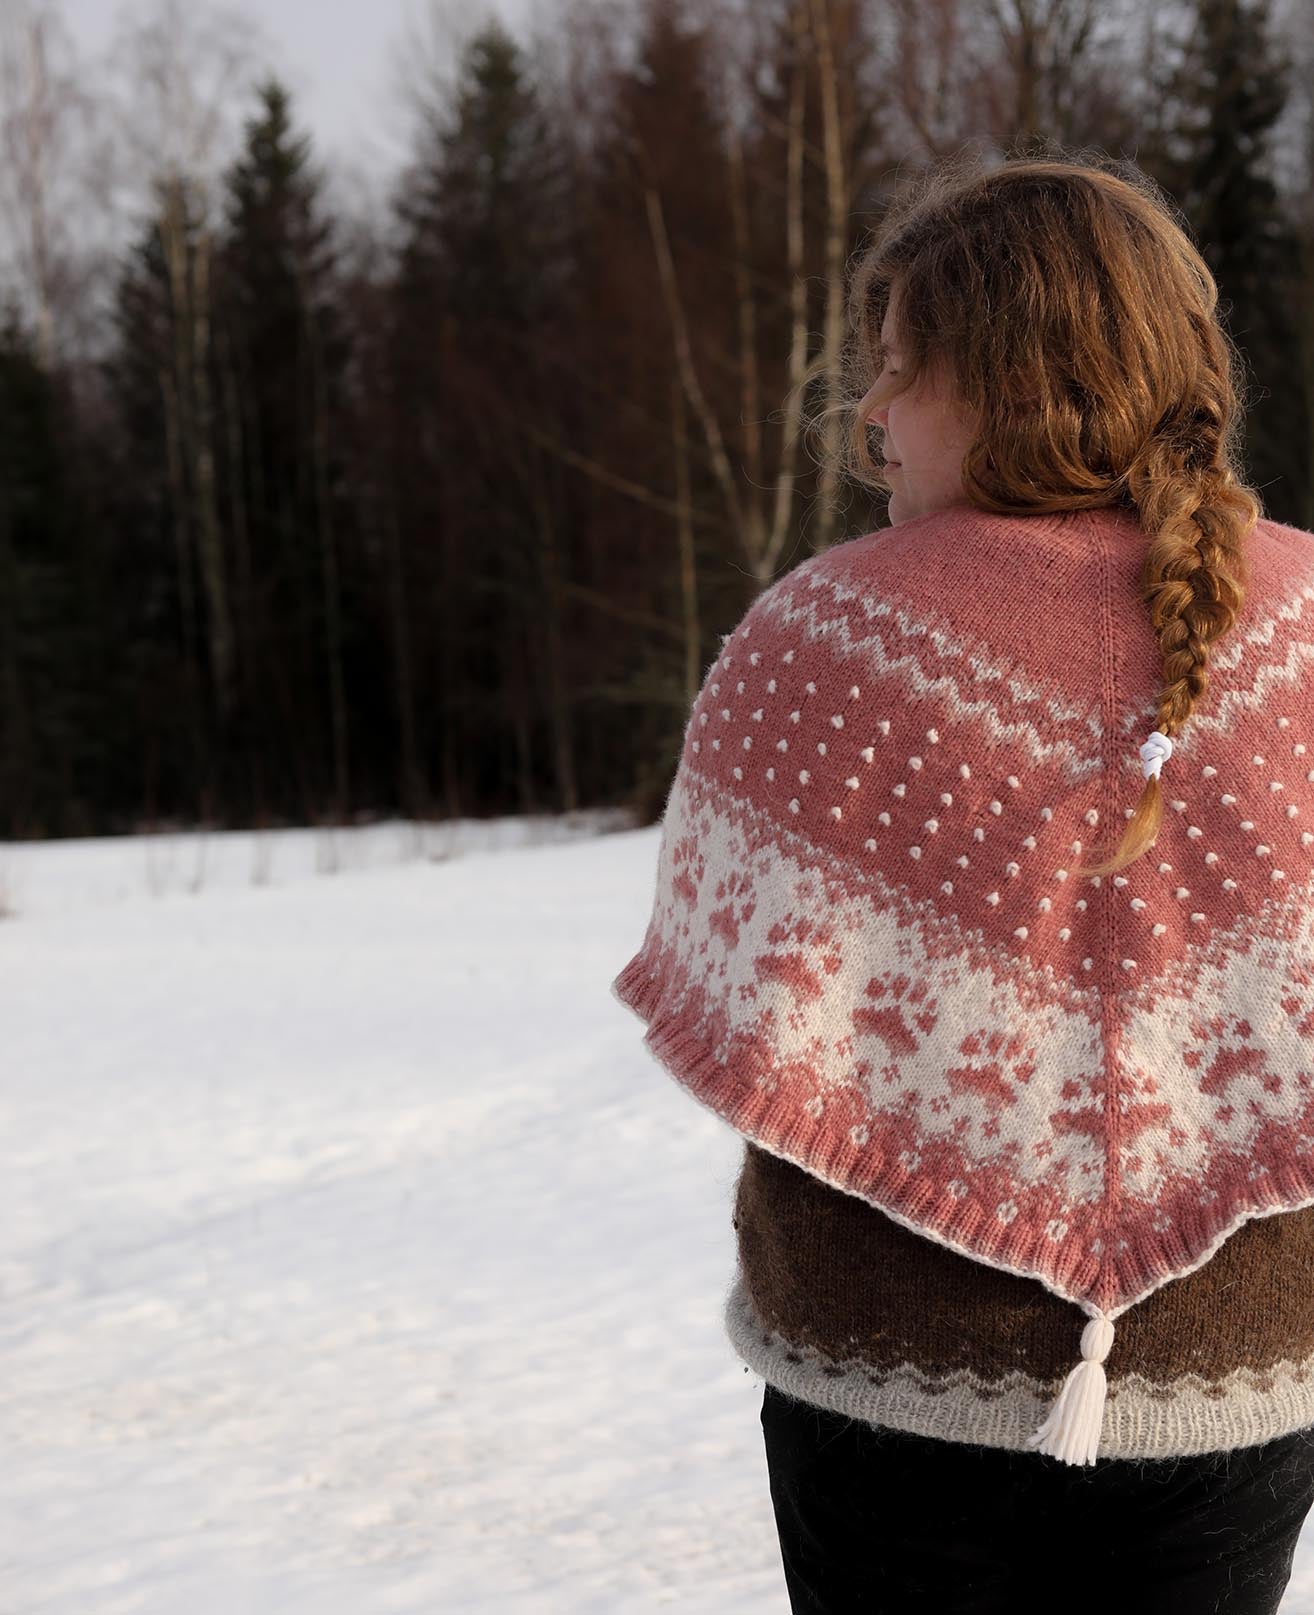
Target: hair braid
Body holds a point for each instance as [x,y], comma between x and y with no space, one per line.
[1193,580]
[1065,300]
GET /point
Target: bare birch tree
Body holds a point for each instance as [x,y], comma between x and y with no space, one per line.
[182,71]
[49,170]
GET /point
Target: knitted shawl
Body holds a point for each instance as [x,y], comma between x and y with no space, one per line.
[867,952]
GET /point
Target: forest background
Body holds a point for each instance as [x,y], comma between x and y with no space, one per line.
[437,505]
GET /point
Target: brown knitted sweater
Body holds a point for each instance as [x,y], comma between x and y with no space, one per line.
[838,1304]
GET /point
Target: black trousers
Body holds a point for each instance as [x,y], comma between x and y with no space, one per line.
[874,1521]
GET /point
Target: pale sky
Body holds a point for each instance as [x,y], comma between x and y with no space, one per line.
[346,64]
[335,55]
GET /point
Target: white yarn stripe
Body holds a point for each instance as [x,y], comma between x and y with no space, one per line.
[1218,718]
[1078,762]
[1142,1419]
[1236,645]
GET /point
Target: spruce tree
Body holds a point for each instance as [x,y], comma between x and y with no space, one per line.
[1230,86]
[48,753]
[151,526]
[483,278]
[281,353]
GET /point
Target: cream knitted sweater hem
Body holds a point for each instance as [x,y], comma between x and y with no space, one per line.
[1141,1420]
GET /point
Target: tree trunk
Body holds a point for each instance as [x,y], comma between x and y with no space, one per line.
[786,472]
[411,787]
[563,744]
[15,725]
[837,221]
[693,661]
[209,534]
[329,571]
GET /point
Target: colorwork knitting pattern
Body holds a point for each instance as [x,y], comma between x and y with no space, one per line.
[838,1305]
[868,950]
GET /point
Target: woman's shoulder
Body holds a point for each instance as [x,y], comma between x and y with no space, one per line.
[972,578]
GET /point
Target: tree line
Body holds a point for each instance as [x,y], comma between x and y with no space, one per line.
[311,512]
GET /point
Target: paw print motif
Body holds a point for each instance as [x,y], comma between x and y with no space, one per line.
[689,867]
[803,952]
[736,902]
[898,1010]
[996,1064]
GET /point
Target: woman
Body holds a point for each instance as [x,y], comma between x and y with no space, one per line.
[984,1078]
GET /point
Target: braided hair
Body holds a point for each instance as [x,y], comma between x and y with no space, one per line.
[1064,297]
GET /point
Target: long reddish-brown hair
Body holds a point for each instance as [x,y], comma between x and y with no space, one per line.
[1064,301]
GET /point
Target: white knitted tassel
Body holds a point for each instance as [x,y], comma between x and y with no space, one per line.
[1072,1429]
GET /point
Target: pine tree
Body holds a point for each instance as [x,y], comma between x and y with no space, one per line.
[1231,86]
[281,356]
[47,745]
[483,277]
[154,527]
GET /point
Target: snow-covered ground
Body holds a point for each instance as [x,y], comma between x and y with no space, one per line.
[355,1255]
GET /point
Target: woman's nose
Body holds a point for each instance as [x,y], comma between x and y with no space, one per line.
[872,411]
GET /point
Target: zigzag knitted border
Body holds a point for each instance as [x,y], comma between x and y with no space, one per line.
[1143,1419]
[1246,642]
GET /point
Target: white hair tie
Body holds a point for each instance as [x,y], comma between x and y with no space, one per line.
[1154,753]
